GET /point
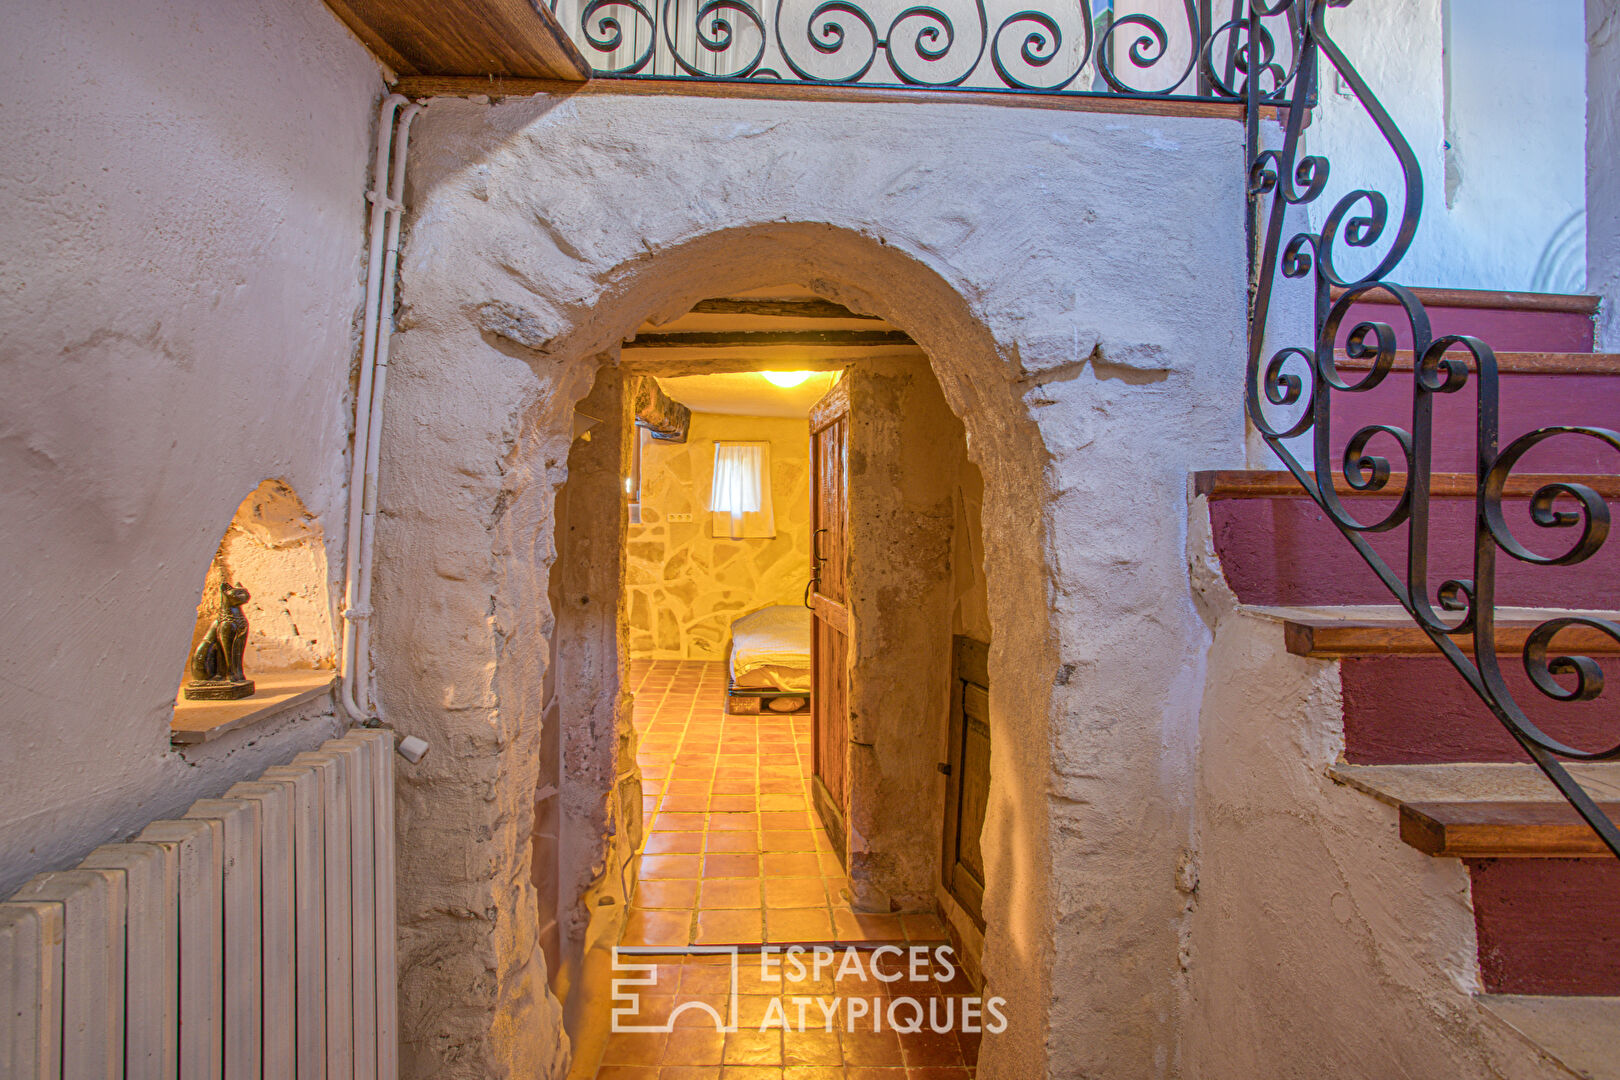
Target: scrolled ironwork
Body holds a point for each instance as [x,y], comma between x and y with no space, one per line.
[1291,391]
[1044,48]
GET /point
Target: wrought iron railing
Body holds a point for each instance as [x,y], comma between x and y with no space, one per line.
[1291,394]
[1176,49]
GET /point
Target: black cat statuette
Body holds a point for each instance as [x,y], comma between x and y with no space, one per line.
[216,667]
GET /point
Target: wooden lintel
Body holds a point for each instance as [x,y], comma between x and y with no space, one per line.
[1498,830]
[666,418]
[778,309]
[758,339]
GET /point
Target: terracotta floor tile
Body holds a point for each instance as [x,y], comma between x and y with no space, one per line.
[694,1046]
[645,927]
[783,803]
[798,924]
[732,786]
[813,1072]
[667,893]
[929,1047]
[634,1048]
[705,979]
[749,822]
[754,1048]
[729,892]
[858,926]
[728,927]
[867,1047]
[783,819]
[674,843]
[787,840]
[628,1072]
[731,803]
[932,1072]
[677,822]
[733,841]
[732,864]
[686,803]
[688,1072]
[811,1047]
[791,865]
[671,866]
[794,892]
[751,1072]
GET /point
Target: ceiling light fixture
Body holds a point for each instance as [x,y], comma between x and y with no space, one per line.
[786,379]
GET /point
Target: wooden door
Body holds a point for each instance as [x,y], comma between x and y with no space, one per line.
[967,787]
[829,604]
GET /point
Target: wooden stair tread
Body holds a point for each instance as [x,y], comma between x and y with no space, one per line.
[1510,363]
[1498,830]
[1367,630]
[1280,484]
[1499,300]
[1488,811]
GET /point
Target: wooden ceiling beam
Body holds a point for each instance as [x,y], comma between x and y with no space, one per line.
[465,38]
[779,309]
[773,339]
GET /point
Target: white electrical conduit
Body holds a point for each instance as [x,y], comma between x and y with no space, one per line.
[388,174]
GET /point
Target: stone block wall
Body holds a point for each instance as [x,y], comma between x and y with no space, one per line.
[686,585]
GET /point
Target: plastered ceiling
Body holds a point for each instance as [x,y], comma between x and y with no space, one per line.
[747,393]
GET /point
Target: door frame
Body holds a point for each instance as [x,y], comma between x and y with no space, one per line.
[835,614]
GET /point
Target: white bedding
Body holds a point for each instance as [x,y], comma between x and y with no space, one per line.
[770,649]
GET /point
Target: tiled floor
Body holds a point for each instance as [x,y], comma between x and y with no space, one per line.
[734,852]
[735,856]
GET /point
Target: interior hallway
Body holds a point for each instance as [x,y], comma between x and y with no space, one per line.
[735,856]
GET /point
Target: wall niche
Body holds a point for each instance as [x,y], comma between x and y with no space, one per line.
[273,548]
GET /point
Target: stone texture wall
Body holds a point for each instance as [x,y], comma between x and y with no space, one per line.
[185,235]
[685,584]
[1078,281]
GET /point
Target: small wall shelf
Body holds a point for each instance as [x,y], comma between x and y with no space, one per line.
[201,721]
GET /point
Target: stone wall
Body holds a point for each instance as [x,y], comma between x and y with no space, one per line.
[685,584]
[1081,295]
[185,235]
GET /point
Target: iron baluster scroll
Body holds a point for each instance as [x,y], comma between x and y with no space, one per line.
[1291,391]
[1169,49]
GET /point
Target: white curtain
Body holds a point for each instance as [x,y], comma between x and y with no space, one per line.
[741,496]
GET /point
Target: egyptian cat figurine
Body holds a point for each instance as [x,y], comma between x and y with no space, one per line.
[216,667]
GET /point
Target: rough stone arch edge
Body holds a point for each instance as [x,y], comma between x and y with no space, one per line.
[565,348]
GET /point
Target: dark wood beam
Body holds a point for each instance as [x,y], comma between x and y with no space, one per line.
[757,339]
[473,39]
[777,309]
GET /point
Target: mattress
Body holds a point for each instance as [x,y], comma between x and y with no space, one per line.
[770,649]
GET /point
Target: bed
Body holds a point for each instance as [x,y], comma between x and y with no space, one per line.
[769,661]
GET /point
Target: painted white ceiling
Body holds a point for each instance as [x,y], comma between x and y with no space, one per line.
[747,393]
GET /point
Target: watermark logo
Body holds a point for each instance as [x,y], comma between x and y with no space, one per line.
[798,988]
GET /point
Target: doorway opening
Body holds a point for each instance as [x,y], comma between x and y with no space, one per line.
[803,628]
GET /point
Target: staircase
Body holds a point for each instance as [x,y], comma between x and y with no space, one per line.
[1545,889]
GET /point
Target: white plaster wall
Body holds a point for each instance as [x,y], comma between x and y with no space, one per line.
[1517,92]
[1318,943]
[1602,152]
[181,185]
[1079,280]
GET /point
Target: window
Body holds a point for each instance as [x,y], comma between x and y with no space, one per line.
[740,498]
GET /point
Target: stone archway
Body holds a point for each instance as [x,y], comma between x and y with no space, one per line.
[545,230]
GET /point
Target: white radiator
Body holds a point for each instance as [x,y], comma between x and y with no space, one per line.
[253,937]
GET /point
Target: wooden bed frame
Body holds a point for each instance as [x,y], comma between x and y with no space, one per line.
[754,700]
